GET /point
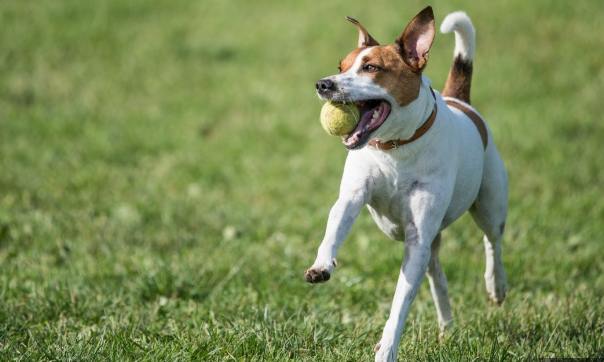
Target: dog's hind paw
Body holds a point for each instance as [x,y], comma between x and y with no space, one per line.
[317,275]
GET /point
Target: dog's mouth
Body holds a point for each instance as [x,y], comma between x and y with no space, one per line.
[373,114]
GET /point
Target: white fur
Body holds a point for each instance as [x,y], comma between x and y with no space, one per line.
[465,37]
[415,191]
[438,287]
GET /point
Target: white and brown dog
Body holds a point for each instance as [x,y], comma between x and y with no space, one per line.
[418,160]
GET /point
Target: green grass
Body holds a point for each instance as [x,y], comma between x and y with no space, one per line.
[164,183]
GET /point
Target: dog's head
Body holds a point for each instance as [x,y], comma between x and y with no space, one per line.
[382,80]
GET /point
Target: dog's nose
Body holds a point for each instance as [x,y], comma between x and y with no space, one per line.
[325,85]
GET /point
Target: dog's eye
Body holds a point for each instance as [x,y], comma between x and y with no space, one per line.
[370,68]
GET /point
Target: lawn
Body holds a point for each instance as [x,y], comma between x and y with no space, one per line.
[165,182]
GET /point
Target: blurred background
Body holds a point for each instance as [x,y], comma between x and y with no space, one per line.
[165,182]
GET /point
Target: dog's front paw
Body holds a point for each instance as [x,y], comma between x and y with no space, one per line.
[384,352]
[317,275]
[496,289]
[498,296]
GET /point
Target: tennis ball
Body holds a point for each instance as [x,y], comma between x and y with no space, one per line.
[339,119]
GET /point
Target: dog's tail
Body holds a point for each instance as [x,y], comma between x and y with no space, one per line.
[460,75]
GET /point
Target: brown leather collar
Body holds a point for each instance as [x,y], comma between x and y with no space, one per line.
[388,145]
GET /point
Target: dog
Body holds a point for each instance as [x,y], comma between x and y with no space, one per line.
[418,160]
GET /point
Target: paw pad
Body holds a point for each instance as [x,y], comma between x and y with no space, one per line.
[316,276]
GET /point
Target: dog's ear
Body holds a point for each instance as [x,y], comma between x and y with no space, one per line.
[416,40]
[365,40]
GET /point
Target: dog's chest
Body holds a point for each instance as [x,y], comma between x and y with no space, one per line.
[389,200]
[388,217]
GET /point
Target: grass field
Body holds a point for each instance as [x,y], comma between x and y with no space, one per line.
[164,183]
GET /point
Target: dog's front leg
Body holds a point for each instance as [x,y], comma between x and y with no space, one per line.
[420,229]
[341,217]
[412,271]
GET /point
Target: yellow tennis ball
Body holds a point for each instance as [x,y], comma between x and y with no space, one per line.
[339,119]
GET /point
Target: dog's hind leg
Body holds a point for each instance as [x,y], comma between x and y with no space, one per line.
[489,212]
[438,287]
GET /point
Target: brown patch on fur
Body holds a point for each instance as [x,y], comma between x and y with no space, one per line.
[459,80]
[348,61]
[399,65]
[395,76]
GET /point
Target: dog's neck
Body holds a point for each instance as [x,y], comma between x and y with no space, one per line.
[407,119]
